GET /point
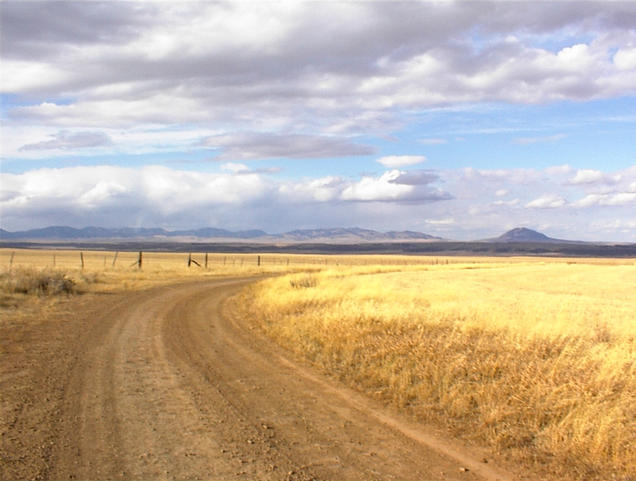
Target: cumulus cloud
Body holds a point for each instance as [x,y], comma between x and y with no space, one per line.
[238,168]
[389,188]
[401,160]
[591,176]
[235,167]
[547,201]
[259,65]
[155,195]
[625,58]
[252,80]
[613,199]
[416,177]
[237,197]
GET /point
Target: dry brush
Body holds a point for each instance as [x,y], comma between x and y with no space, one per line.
[534,359]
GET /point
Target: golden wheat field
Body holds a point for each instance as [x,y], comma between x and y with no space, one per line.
[534,358]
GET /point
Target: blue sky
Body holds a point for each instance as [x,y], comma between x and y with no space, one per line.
[459,119]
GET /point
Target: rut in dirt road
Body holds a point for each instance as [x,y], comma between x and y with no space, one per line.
[168,385]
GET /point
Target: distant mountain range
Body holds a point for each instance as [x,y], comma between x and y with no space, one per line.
[354,240]
[70,233]
[345,235]
[353,234]
[340,235]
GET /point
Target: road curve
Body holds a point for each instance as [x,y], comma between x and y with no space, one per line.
[169,384]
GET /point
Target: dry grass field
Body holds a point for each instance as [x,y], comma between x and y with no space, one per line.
[44,272]
[535,358]
[47,272]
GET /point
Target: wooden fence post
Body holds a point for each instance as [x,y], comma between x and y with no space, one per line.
[82,259]
[115,258]
[192,261]
[53,261]
[258,261]
[11,261]
[137,263]
[206,261]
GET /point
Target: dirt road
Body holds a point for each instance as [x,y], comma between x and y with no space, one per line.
[167,384]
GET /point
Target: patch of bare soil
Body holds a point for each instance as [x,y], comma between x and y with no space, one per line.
[170,384]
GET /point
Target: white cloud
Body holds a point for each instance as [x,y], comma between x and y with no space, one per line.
[101,194]
[324,189]
[235,167]
[625,58]
[557,170]
[432,141]
[240,198]
[536,140]
[155,195]
[448,221]
[547,201]
[394,185]
[375,189]
[509,203]
[259,66]
[576,57]
[401,160]
[614,199]
[26,75]
[255,81]
[117,193]
[590,176]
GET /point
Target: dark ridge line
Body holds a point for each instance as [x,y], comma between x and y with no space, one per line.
[409,248]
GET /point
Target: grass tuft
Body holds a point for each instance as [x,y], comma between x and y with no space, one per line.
[37,282]
[303,282]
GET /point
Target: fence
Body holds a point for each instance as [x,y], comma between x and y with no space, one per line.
[120,260]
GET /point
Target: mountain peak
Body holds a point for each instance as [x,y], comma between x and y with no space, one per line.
[523,234]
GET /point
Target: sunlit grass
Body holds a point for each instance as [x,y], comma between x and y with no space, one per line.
[535,358]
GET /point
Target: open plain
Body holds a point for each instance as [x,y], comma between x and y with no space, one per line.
[336,367]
